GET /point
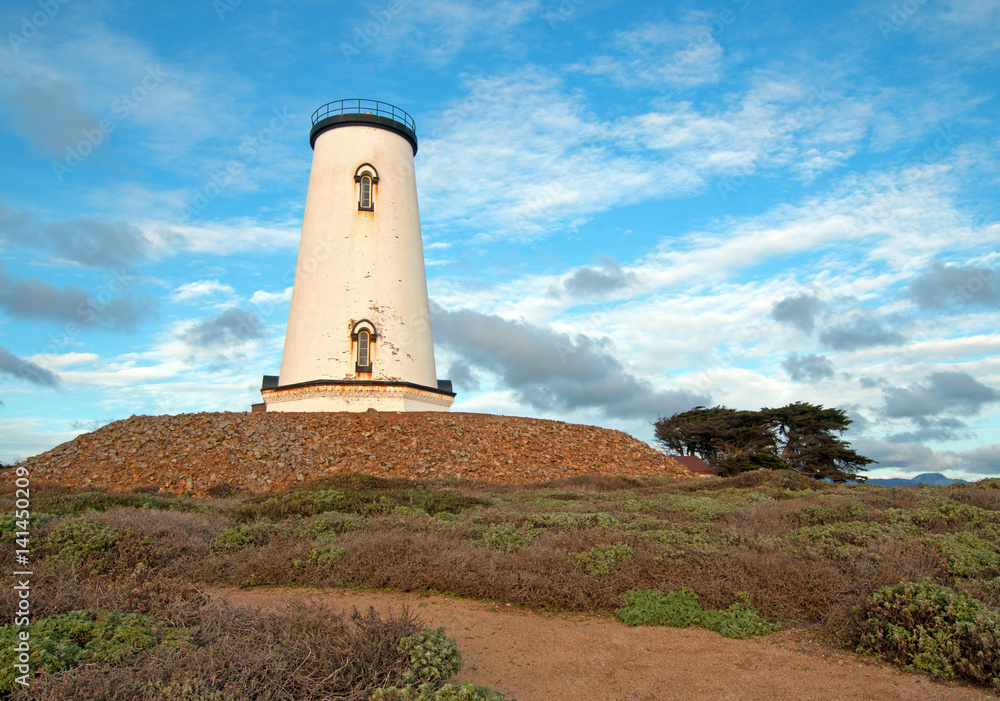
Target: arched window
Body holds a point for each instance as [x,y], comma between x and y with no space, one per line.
[365,202]
[364,335]
[366,177]
[364,358]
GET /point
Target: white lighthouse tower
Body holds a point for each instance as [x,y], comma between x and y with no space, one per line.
[359,333]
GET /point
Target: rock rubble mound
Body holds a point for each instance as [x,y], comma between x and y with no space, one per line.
[192,453]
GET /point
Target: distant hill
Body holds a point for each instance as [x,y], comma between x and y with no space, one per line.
[932,478]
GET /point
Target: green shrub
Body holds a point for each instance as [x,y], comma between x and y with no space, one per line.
[438,501]
[814,515]
[935,629]
[189,690]
[325,554]
[600,559]
[504,537]
[103,501]
[245,536]
[952,513]
[410,511]
[843,534]
[75,539]
[709,508]
[433,657]
[67,639]
[680,609]
[649,607]
[573,519]
[298,503]
[741,620]
[10,524]
[967,553]
[685,540]
[857,509]
[330,523]
[466,691]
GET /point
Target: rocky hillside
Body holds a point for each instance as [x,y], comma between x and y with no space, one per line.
[263,452]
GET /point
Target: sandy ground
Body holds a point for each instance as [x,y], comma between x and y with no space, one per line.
[535,656]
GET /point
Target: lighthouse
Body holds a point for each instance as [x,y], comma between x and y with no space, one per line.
[359,332]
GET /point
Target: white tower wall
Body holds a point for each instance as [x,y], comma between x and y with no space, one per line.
[359,270]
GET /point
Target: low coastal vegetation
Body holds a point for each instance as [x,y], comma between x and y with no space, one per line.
[910,575]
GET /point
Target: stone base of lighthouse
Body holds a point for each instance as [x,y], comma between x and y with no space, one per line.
[344,395]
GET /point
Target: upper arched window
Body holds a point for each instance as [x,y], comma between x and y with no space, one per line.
[366,177]
[365,201]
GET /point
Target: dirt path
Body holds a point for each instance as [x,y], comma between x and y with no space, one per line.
[540,657]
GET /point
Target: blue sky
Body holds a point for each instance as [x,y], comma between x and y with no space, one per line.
[628,209]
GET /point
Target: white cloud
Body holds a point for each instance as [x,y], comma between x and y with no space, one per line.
[231,236]
[663,55]
[560,161]
[202,288]
[268,299]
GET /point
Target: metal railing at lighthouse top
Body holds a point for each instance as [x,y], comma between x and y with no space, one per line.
[362,106]
[382,112]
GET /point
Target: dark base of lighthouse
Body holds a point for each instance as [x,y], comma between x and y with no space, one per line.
[355,395]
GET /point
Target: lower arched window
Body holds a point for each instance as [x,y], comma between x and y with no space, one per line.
[363,336]
[364,350]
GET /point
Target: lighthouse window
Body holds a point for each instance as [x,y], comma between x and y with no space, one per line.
[366,177]
[364,352]
[365,202]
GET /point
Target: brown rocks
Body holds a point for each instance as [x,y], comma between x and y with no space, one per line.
[265,452]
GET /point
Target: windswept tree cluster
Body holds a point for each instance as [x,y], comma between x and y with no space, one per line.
[801,436]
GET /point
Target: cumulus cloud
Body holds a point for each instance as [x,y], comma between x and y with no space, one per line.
[911,458]
[25,370]
[201,288]
[550,370]
[91,242]
[984,460]
[96,243]
[46,110]
[799,311]
[266,301]
[936,429]
[808,368]
[939,392]
[662,55]
[594,282]
[917,458]
[232,327]
[862,331]
[946,286]
[30,298]
[463,376]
